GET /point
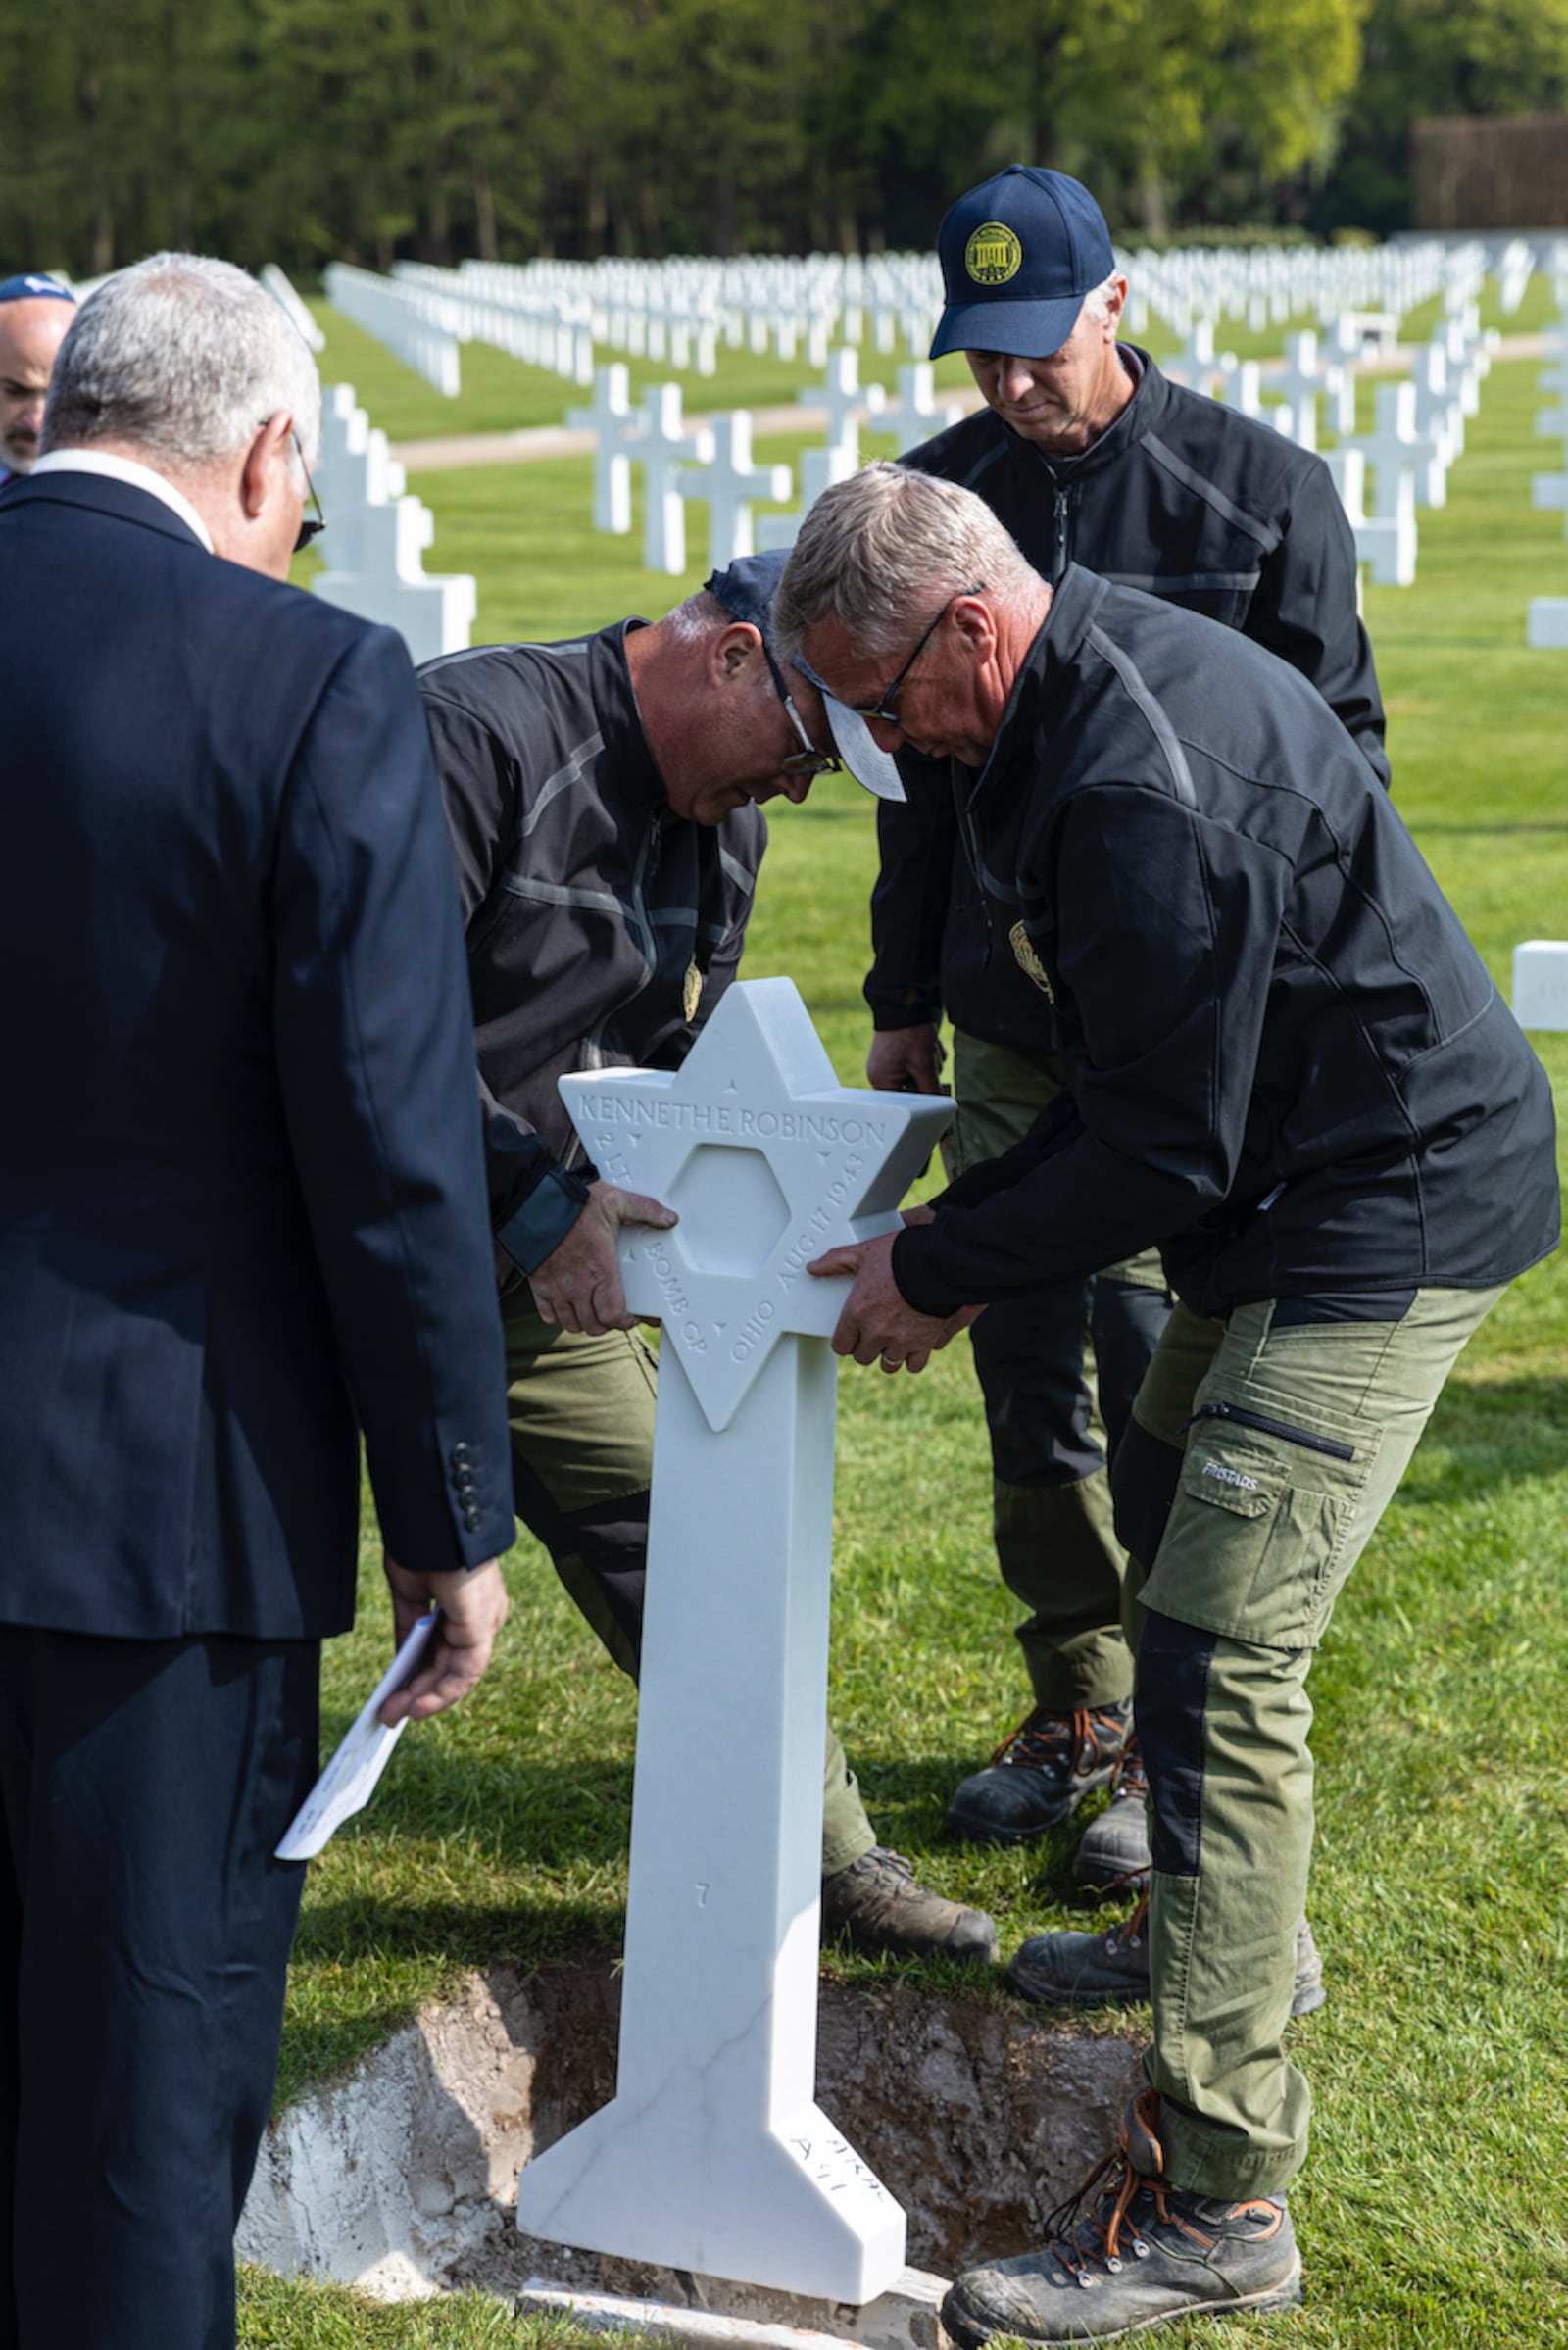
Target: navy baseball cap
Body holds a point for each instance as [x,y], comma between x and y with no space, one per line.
[32,287]
[745,589]
[1019,255]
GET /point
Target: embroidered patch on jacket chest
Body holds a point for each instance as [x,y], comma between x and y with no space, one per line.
[1029,962]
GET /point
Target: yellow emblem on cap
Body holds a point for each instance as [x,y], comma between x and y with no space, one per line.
[993,253]
[692,991]
[1029,962]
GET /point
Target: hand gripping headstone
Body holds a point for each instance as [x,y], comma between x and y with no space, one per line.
[714,2155]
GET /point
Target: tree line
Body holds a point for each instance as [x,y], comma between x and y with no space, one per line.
[299,131]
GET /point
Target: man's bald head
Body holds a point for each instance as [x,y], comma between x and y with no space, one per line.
[32,328]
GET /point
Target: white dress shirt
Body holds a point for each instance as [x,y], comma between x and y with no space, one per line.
[126,469]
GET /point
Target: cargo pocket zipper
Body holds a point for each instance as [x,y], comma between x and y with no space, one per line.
[1267,1426]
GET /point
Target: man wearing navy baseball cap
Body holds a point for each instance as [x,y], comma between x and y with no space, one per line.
[36,311]
[604,799]
[1019,255]
[1088,456]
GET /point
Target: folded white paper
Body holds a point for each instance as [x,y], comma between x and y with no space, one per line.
[348,1782]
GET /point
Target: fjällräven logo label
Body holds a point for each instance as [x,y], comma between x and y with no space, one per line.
[993,253]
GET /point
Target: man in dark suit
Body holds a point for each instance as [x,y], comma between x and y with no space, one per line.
[242,1209]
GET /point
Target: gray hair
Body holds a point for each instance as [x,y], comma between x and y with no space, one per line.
[689,623]
[1096,302]
[885,551]
[184,357]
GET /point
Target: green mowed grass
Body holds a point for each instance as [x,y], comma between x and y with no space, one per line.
[1432,2210]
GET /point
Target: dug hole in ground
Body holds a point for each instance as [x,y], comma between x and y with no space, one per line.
[401,2178]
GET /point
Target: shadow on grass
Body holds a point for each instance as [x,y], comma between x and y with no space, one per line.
[521,1813]
[460,1935]
[1487,1432]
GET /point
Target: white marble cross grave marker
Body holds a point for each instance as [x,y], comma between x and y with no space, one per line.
[1394,451]
[1385,541]
[843,400]
[1198,364]
[714,2155]
[731,485]
[617,430]
[916,416]
[820,468]
[665,441]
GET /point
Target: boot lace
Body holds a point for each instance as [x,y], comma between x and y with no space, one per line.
[1100,2210]
[1042,1739]
[1131,1932]
[1131,1783]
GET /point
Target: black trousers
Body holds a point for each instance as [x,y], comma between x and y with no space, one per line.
[144,1939]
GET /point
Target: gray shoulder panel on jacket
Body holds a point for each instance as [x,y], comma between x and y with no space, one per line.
[1153,710]
[1267,533]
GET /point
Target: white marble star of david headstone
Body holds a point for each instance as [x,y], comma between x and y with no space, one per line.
[768,1161]
[714,2155]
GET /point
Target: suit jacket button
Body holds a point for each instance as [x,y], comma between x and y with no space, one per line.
[473,1519]
[458,1455]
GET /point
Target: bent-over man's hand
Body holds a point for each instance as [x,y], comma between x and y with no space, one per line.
[579,1285]
[877,1324]
[907,1060]
[473,1607]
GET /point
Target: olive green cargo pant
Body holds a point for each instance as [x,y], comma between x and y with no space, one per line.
[1277,1450]
[581,1414]
[1058,1368]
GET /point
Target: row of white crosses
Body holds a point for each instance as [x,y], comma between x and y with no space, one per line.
[687,308]
[1547,625]
[1419,424]
[1418,431]
[288,301]
[557,313]
[401,319]
[712,463]
[1272,285]
[544,330]
[378,535]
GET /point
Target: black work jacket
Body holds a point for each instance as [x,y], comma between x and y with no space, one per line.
[1289,1066]
[1188,501]
[601,928]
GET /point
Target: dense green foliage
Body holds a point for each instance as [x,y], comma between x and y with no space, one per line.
[1439,57]
[297,130]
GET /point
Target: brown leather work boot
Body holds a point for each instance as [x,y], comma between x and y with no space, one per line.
[880,1905]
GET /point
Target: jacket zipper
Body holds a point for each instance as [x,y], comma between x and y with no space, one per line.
[1063,555]
[1267,1426]
[970,842]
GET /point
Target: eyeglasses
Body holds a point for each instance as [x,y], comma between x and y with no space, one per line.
[885,706]
[808,761]
[313,526]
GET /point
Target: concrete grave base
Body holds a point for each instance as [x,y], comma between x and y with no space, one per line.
[401,2178]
